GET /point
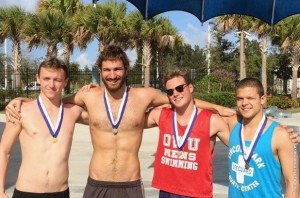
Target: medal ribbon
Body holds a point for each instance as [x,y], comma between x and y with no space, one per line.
[188,130]
[247,153]
[115,124]
[53,130]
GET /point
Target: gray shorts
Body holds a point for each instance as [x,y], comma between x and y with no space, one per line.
[105,189]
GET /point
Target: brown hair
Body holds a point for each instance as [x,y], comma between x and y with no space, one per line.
[54,63]
[173,72]
[251,82]
[112,53]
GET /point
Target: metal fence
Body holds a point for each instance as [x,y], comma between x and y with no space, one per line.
[24,83]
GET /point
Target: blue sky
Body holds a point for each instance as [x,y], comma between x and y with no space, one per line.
[188,26]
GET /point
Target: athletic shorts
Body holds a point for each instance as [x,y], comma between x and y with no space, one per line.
[164,194]
[20,194]
[104,189]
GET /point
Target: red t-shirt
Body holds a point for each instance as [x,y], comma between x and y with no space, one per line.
[188,174]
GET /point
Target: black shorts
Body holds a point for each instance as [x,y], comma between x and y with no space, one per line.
[164,194]
[20,194]
[101,189]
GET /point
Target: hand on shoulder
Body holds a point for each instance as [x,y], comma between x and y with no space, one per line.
[87,88]
[13,109]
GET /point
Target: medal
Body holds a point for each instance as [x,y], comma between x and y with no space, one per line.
[114,131]
[248,152]
[54,130]
[180,142]
[247,166]
[179,153]
[115,124]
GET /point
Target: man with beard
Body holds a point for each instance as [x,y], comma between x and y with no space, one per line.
[116,117]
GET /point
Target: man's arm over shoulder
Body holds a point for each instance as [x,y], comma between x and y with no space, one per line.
[8,139]
[223,111]
[220,128]
[79,97]
[287,155]
[13,108]
[152,117]
[157,97]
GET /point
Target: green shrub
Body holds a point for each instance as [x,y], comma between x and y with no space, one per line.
[219,81]
[226,99]
[282,102]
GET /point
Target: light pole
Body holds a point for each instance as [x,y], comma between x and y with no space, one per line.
[208,55]
[208,47]
[5,65]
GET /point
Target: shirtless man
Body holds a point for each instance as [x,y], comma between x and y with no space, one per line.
[187,135]
[116,117]
[45,133]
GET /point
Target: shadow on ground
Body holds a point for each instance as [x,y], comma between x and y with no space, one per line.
[15,161]
[220,164]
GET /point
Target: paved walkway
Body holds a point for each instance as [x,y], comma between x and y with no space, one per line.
[82,149]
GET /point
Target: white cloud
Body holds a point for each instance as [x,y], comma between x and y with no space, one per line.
[83,61]
[195,38]
[132,56]
[28,5]
[192,28]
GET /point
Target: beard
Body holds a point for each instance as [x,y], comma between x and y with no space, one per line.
[115,87]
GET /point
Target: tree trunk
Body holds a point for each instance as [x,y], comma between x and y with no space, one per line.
[264,63]
[295,68]
[101,48]
[146,61]
[160,69]
[51,51]
[17,58]
[242,56]
[285,86]
[67,55]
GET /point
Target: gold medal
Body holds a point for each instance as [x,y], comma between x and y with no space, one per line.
[247,166]
[54,140]
[179,153]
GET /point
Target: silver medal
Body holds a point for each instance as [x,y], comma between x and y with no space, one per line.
[115,131]
[115,123]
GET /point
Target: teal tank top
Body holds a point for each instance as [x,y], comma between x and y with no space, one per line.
[263,177]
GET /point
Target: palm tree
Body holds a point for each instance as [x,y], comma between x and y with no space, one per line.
[263,30]
[68,8]
[155,35]
[167,37]
[12,21]
[45,28]
[228,23]
[106,22]
[286,34]
[65,6]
